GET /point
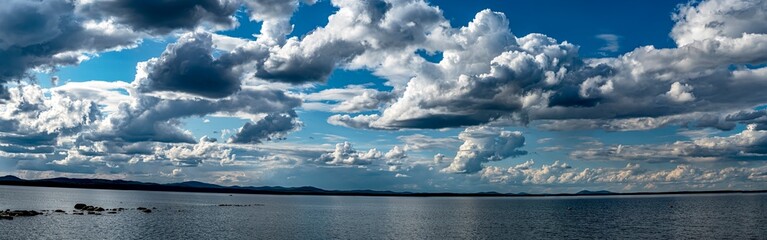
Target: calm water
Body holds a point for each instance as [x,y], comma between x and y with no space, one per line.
[740,216]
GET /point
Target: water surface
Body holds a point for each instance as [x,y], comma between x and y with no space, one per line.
[198,216]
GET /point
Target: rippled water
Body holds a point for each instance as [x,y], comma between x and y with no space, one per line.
[198,216]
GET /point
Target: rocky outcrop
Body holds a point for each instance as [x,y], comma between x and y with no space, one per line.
[145,210]
[85,209]
[239,205]
[88,208]
[9,215]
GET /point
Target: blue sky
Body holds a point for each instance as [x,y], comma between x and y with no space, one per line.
[441,95]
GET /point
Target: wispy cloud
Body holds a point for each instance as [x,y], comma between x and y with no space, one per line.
[611,42]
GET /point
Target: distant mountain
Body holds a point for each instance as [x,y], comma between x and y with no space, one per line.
[195,186]
[587,192]
[10,178]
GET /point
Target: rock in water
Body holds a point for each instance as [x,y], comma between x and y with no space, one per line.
[80,206]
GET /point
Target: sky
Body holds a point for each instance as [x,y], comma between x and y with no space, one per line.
[403,95]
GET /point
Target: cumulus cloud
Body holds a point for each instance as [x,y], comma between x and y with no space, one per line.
[488,74]
[273,126]
[42,35]
[149,118]
[718,18]
[632,174]
[359,121]
[188,66]
[368,100]
[275,17]
[396,153]
[117,127]
[356,30]
[680,93]
[344,154]
[757,118]
[439,158]
[205,149]
[485,144]
[142,157]
[748,145]
[164,16]
[45,34]
[29,118]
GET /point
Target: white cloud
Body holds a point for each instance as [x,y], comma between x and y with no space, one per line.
[718,18]
[108,94]
[351,99]
[485,144]
[680,93]
[746,145]
[611,42]
[396,153]
[30,113]
[359,121]
[559,173]
[418,142]
[500,76]
[344,154]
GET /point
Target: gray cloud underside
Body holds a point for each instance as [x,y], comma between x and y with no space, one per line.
[187,66]
[164,16]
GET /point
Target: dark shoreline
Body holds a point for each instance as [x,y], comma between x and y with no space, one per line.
[212,188]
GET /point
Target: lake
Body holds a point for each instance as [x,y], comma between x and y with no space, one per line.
[199,216]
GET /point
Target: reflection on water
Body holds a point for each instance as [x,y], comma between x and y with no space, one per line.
[198,216]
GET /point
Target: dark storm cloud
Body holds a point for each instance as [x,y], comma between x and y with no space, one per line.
[188,66]
[313,68]
[20,149]
[438,121]
[46,34]
[164,16]
[273,126]
[29,139]
[757,117]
